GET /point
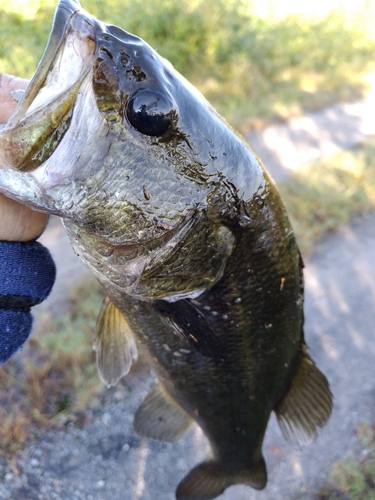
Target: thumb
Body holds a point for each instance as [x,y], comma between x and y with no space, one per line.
[19,223]
[8,83]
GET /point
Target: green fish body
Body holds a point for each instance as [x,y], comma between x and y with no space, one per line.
[177,218]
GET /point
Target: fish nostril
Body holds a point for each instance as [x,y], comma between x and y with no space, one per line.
[106,51]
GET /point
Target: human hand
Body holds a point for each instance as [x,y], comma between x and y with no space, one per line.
[17,222]
[8,83]
[27,270]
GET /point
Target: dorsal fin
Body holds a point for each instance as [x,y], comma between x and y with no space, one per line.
[114,344]
[159,417]
[307,404]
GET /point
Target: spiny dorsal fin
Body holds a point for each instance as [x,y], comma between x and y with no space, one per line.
[114,344]
[306,406]
[209,479]
[159,417]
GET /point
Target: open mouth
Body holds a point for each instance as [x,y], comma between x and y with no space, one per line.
[44,112]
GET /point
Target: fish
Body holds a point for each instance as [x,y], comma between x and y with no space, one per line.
[180,222]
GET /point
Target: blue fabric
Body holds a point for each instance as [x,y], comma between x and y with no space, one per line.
[26,269]
[27,275]
[15,327]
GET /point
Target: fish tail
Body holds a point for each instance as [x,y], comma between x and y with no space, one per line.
[307,405]
[209,479]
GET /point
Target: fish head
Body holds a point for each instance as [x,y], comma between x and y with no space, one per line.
[110,137]
[99,127]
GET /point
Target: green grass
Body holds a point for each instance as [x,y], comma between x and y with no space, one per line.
[322,196]
[55,374]
[353,478]
[71,336]
[252,69]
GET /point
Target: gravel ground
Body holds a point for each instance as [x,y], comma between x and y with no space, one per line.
[104,460]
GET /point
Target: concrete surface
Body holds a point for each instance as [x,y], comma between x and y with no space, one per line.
[104,460]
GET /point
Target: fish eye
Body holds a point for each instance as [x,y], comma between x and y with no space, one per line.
[150,111]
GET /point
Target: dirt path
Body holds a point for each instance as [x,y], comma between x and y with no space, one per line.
[104,460]
[283,148]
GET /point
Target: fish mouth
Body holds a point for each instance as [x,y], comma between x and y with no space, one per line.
[44,112]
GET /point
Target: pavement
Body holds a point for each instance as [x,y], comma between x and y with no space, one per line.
[104,460]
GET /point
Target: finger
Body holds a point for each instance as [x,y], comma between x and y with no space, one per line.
[19,223]
[8,83]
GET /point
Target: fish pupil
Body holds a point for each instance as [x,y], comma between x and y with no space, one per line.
[150,111]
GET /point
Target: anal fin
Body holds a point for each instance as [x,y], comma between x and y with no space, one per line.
[159,417]
[114,344]
[307,404]
[209,479]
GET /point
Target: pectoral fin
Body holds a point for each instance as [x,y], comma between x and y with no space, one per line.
[190,324]
[306,406]
[159,417]
[114,344]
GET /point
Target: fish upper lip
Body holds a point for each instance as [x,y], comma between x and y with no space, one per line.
[48,101]
[69,15]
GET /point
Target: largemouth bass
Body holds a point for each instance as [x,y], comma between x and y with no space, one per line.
[177,218]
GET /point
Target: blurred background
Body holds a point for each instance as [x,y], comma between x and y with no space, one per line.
[255,61]
[266,65]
